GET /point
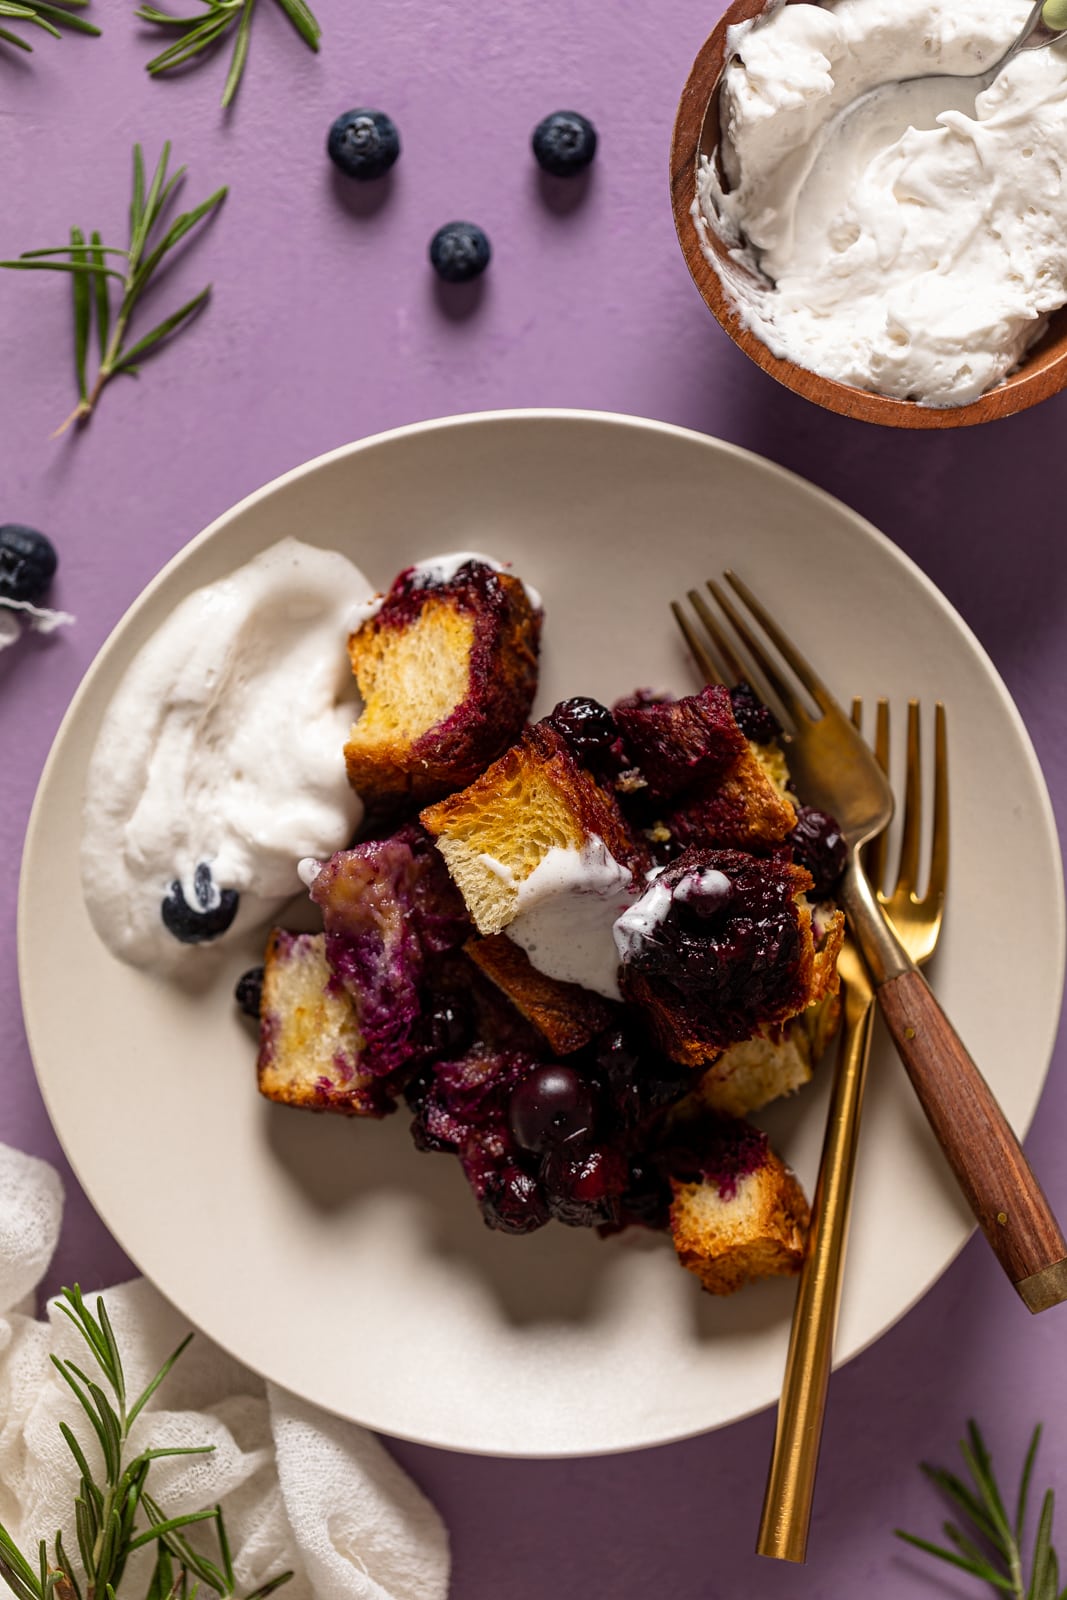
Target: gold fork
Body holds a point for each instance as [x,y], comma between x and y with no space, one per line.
[834,770]
[786,1515]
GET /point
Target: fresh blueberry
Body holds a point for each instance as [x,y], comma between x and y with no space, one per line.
[550,1105]
[363,144]
[459,252]
[28,562]
[212,914]
[564,143]
[249,992]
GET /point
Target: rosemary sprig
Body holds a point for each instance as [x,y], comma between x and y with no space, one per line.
[107,1508]
[151,242]
[209,27]
[989,1545]
[51,15]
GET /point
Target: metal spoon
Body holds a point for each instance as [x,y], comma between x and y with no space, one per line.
[949,91]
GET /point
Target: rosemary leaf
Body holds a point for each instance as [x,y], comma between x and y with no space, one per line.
[200,33]
[150,1389]
[40,14]
[240,53]
[103,304]
[152,241]
[1024,1485]
[303,21]
[82,286]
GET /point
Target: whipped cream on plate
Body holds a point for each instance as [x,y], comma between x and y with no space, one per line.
[920,254]
[219,763]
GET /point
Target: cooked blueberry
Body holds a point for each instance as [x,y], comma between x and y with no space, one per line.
[513,1202]
[592,734]
[553,1104]
[647,1200]
[583,1187]
[363,144]
[637,1082]
[756,721]
[459,252]
[210,916]
[249,992]
[819,845]
[28,562]
[564,143]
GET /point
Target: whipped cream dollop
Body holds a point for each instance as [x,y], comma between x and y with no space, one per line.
[920,253]
[219,763]
[565,911]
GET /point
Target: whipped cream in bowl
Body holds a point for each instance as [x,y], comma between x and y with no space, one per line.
[902,263]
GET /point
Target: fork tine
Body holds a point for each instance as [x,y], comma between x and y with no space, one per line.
[786,695]
[696,644]
[735,667]
[908,873]
[785,646]
[877,850]
[935,888]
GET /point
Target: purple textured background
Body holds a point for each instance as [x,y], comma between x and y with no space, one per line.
[325,326]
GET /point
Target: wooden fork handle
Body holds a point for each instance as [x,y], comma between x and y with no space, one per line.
[982,1150]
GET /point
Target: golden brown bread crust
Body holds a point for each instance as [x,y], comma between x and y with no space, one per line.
[757,1231]
[310,1042]
[447,674]
[535,798]
[566,1014]
[776,1061]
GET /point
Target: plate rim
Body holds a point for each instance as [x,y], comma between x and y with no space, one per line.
[519,416]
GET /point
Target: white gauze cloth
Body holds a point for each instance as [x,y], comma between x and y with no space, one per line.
[299,1488]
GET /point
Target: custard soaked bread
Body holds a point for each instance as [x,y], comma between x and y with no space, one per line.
[737,1211]
[535,799]
[447,668]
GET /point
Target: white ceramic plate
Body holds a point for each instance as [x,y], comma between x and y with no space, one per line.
[332,1257]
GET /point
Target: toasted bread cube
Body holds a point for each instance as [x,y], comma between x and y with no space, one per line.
[776,1061]
[495,833]
[447,669]
[310,1044]
[566,1014]
[742,809]
[677,743]
[745,1218]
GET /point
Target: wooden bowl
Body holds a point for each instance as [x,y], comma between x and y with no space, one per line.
[696,132]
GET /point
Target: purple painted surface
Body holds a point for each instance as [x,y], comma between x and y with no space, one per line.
[325,326]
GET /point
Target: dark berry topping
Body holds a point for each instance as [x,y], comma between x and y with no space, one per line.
[583,1186]
[756,721]
[513,1202]
[592,735]
[564,143]
[449,1028]
[211,913]
[726,962]
[459,252]
[635,1082]
[552,1105]
[677,743]
[819,845]
[721,1150]
[363,144]
[647,1197]
[249,992]
[27,563]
